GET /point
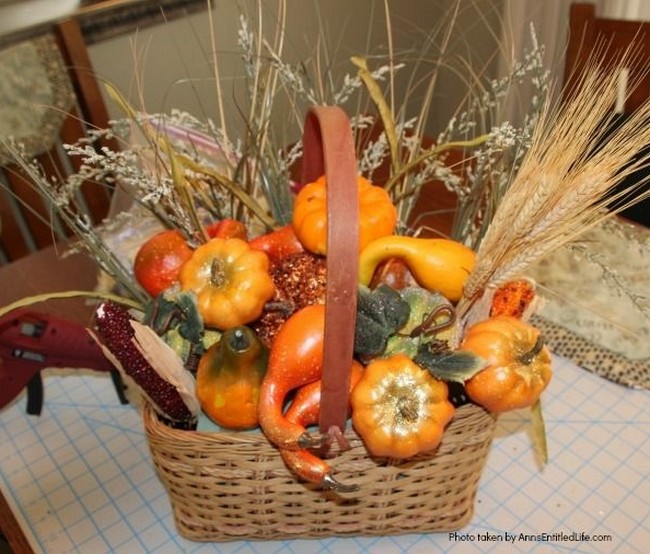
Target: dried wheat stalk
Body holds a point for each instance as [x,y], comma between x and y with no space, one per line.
[564,184]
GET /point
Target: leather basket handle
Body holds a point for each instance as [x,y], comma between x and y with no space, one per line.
[328,149]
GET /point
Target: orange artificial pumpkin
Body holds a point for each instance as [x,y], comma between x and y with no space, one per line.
[377,214]
[231,281]
[399,409]
[519,364]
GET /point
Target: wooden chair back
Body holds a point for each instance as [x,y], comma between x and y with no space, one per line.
[27,221]
[604,41]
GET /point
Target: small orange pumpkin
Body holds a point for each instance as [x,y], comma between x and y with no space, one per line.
[519,364]
[377,214]
[399,409]
[231,281]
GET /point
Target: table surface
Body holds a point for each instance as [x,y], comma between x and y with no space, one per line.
[79,478]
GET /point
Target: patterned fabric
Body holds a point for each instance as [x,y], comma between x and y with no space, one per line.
[594,358]
[35,95]
[594,294]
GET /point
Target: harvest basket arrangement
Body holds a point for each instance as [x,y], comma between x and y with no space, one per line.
[312,362]
[228,485]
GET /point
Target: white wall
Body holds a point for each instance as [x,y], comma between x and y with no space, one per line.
[636,10]
[174,65]
[17,15]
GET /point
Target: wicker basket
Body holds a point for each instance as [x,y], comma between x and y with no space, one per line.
[234,486]
[228,486]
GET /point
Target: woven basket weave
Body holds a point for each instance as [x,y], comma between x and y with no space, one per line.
[228,486]
[234,486]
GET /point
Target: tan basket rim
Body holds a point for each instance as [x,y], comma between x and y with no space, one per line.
[155,427]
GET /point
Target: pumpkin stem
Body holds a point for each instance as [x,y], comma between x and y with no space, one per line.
[407,409]
[527,357]
[217,273]
[238,341]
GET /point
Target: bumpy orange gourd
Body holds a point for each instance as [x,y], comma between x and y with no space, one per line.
[399,409]
[231,281]
[519,364]
[377,214]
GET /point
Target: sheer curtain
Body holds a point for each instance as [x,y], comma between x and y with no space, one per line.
[549,20]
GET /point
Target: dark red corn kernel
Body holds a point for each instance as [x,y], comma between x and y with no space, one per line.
[116,333]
